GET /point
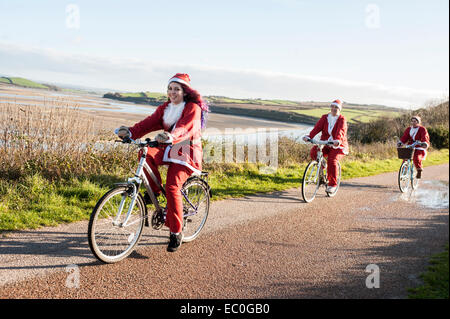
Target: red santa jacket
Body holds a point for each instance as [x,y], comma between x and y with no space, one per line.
[338,133]
[411,135]
[186,148]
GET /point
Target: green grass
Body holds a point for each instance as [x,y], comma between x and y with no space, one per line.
[352,115]
[34,201]
[243,180]
[228,100]
[435,279]
[27,83]
[37,202]
[5,80]
[145,95]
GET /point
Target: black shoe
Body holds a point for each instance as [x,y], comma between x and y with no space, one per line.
[174,242]
[419,174]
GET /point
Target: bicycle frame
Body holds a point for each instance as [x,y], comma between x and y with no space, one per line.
[136,182]
[409,174]
[319,160]
[410,170]
[319,157]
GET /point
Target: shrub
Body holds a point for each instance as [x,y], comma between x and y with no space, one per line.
[386,129]
[439,137]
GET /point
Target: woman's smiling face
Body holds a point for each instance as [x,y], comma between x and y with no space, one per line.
[175,92]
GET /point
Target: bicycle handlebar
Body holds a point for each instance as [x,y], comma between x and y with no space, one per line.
[413,144]
[320,142]
[148,142]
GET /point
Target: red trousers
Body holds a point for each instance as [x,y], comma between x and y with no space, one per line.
[176,176]
[419,156]
[333,156]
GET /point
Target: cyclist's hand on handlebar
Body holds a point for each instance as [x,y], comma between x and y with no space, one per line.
[164,138]
[336,143]
[123,132]
[399,144]
[306,138]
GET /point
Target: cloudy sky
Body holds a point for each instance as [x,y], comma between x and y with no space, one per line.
[376,52]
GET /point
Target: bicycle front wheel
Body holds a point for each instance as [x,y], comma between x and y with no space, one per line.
[311,181]
[196,199]
[403,177]
[111,241]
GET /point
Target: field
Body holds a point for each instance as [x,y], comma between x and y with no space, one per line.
[353,115]
[23,82]
[271,109]
[278,110]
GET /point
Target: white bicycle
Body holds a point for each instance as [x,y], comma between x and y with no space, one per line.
[407,172]
[315,174]
[117,221]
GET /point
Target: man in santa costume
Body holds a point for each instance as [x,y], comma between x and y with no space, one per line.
[333,127]
[416,133]
[180,118]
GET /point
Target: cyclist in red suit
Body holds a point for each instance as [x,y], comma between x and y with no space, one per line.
[416,133]
[180,119]
[333,127]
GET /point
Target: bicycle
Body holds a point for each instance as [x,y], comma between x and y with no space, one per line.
[114,233]
[315,174]
[407,172]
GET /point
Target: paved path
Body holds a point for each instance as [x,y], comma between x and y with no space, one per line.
[263,246]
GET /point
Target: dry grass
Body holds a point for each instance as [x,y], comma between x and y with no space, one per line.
[57,141]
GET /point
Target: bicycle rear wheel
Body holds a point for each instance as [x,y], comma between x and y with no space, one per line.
[403,177]
[311,181]
[196,200]
[109,240]
[338,177]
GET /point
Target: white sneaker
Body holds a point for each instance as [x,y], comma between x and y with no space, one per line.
[331,189]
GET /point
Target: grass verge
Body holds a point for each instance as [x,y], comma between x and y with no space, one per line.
[435,279]
[35,201]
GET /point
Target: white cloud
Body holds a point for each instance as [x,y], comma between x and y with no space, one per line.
[129,74]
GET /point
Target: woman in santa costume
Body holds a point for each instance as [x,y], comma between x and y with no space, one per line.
[181,120]
[416,133]
[333,127]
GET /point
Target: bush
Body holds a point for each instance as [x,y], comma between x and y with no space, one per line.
[439,137]
[386,129]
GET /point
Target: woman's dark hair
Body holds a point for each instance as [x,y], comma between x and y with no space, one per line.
[194,96]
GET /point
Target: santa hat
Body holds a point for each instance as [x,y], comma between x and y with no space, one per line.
[337,103]
[181,78]
[417,118]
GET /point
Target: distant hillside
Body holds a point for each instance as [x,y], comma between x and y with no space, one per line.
[139,98]
[27,83]
[278,110]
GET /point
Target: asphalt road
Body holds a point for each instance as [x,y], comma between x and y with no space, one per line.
[263,246]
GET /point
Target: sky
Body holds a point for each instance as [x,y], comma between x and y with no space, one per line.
[394,53]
